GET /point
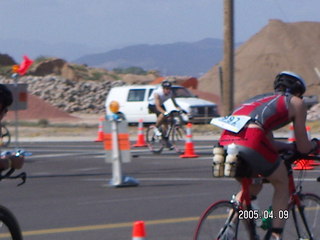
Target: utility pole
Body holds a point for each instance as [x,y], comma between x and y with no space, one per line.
[228,62]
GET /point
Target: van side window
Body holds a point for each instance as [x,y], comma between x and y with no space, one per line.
[136,95]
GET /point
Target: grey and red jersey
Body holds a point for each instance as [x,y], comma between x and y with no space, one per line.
[269,112]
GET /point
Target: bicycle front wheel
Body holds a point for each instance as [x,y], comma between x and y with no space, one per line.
[178,138]
[155,143]
[220,221]
[303,223]
[9,227]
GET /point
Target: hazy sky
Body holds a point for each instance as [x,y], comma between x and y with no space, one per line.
[109,24]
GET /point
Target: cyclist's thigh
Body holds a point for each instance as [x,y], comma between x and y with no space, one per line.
[257,161]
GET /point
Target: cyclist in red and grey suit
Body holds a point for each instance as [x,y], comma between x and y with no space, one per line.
[256,144]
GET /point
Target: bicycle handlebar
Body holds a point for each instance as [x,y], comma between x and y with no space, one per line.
[8,175]
[172,112]
[291,157]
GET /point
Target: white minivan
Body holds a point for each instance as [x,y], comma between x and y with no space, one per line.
[133,101]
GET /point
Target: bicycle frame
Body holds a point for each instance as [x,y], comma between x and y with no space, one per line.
[245,203]
[294,199]
[169,136]
[245,199]
[171,122]
[245,227]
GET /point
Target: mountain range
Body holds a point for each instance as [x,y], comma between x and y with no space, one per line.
[16,48]
[180,58]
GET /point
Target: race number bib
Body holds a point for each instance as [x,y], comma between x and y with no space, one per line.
[231,123]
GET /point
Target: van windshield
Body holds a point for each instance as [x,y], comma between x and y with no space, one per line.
[182,92]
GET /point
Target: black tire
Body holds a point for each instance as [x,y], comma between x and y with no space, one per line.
[155,143]
[178,138]
[9,226]
[214,222]
[295,227]
[5,136]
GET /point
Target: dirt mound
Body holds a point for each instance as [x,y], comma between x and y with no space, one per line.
[278,46]
[6,60]
[39,109]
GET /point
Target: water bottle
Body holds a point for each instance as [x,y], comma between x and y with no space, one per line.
[267,222]
[255,207]
[230,165]
[218,161]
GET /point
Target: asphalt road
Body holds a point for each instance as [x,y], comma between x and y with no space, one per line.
[68,196]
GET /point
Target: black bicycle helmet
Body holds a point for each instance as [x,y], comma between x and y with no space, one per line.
[290,82]
[166,84]
[6,97]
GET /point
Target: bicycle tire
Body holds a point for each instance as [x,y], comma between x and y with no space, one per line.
[178,138]
[155,143]
[295,227]
[213,223]
[9,226]
[5,136]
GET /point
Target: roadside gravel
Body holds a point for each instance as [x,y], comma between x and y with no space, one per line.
[86,129]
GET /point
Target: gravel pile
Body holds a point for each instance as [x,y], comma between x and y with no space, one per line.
[314,113]
[67,95]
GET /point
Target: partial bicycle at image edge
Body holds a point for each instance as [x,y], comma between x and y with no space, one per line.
[221,220]
[9,226]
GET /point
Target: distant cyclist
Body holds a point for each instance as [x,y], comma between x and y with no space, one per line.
[156,105]
[6,100]
[256,145]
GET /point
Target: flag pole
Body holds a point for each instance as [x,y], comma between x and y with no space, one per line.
[15,106]
[20,70]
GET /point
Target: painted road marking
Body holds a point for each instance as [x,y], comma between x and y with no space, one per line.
[104,226]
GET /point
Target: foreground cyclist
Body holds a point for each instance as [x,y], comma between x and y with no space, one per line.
[6,100]
[156,105]
[254,139]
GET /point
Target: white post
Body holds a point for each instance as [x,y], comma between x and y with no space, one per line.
[116,161]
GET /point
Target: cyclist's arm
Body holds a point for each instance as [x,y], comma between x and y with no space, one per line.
[279,145]
[175,103]
[158,103]
[298,112]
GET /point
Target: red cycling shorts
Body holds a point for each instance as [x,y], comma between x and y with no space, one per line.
[255,148]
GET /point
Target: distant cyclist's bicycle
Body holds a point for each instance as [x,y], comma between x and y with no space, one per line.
[9,226]
[173,138]
[236,220]
[5,136]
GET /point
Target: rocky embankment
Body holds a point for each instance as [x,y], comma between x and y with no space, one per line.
[69,96]
[70,87]
[314,113]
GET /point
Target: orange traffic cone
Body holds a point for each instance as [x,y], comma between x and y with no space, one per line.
[291,137]
[311,162]
[302,164]
[189,147]
[138,232]
[100,130]
[140,140]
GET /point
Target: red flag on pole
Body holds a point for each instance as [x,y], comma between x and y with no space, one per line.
[24,66]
